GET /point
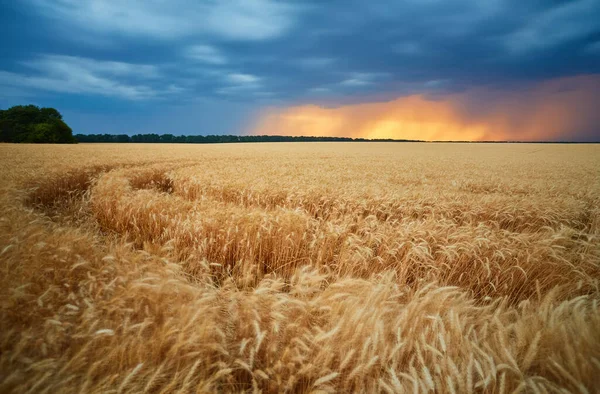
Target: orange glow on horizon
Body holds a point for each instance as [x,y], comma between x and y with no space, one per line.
[561,109]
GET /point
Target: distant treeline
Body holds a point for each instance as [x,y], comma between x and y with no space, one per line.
[212,139]
[224,139]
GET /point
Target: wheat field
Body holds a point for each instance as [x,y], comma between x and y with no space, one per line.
[300,267]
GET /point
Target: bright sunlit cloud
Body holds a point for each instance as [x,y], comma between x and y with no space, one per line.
[561,109]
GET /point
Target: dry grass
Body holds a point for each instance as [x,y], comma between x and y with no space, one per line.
[317,267]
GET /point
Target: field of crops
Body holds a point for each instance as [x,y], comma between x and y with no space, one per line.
[300,267]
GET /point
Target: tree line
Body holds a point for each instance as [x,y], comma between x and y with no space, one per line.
[210,139]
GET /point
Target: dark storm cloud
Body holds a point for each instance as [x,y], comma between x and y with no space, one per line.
[256,52]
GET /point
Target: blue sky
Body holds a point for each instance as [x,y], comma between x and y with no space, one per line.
[212,67]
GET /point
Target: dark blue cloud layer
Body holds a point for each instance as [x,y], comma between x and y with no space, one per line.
[129,60]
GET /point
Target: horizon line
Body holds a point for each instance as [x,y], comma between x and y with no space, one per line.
[232,138]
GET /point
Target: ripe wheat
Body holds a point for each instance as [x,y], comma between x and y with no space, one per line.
[304,267]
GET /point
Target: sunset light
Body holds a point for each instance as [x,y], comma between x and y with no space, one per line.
[555,110]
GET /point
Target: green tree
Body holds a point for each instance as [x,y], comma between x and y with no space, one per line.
[42,132]
[51,113]
[167,138]
[29,123]
[62,131]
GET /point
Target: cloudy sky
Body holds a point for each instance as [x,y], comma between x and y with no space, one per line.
[426,69]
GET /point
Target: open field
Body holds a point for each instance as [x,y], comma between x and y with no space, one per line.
[324,267]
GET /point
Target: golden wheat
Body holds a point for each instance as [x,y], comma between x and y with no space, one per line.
[304,267]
